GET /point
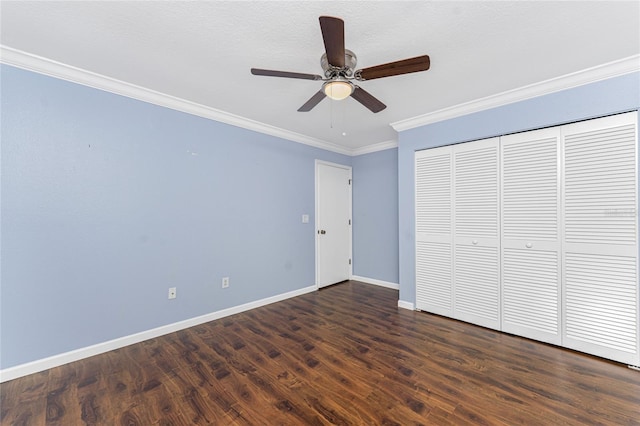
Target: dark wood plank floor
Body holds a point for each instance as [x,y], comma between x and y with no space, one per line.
[343,355]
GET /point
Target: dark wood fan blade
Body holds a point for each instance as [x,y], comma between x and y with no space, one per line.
[406,66]
[367,99]
[272,73]
[311,103]
[333,36]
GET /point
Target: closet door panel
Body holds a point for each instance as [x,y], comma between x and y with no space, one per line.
[600,184]
[531,294]
[601,310]
[434,272]
[531,234]
[476,232]
[434,207]
[477,285]
[600,237]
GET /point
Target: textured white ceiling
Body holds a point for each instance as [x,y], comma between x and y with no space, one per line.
[203,51]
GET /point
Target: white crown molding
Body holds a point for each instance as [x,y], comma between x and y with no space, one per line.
[375,147]
[41,65]
[568,81]
[78,354]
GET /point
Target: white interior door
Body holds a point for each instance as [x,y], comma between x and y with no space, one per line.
[434,210]
[531,234]
[601,237]
[333,223]
[476,236]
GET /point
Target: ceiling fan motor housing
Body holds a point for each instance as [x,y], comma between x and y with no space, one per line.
[350,61]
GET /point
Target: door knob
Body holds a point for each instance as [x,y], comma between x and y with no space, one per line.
[529,245]
[474,242]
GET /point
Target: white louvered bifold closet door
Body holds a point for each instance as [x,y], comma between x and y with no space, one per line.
[531,234]
[477,232]
[600,237]
[434,262]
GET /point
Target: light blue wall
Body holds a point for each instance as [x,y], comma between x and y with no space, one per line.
[107,202]
[589,101]
[375,215]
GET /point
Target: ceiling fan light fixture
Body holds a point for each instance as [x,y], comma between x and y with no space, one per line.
[338,89]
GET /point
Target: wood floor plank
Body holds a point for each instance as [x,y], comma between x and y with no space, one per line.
[22,402]
[342,355]
[309,371]
[364,385]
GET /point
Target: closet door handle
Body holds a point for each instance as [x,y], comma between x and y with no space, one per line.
[474,242]
[528,245]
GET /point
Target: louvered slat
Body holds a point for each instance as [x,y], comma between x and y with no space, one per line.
[600,238]
[476,233]
[530,189]
[601,301]
[530,235]
[434,257]
[476,192]
[477,285]
[433,277]
[530,286]
[600,186]
[433,193]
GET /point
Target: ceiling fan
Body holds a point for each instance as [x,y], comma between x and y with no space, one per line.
[338,65]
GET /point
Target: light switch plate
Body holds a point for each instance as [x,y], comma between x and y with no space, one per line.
[305,218]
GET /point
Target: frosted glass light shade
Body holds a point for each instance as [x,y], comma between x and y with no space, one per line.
[338,89]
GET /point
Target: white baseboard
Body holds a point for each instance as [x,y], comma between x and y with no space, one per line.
[374,281]
[78,354]
[406,305]
[401,303]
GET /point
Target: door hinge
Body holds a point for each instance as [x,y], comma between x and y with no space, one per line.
[349,261]
[349,181]
[349,221]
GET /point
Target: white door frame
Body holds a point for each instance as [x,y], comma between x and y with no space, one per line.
[317,209]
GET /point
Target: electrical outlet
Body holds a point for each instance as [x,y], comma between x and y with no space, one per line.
[225,282]
[172,293]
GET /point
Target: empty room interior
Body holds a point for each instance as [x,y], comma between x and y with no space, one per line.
[319,212]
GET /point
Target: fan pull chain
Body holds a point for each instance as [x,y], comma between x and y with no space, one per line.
[331,113]
[344,113]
